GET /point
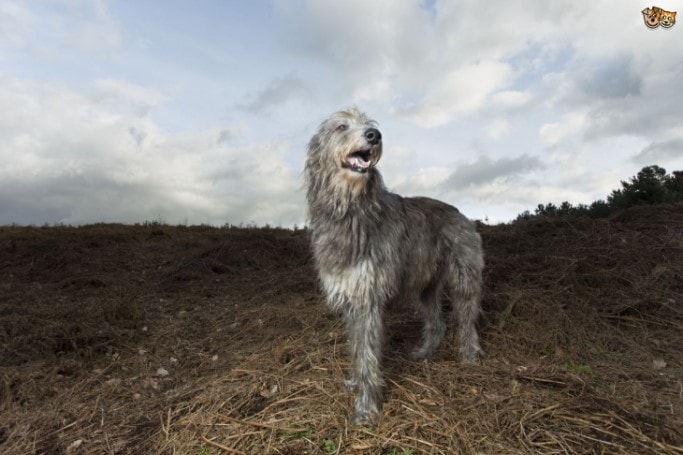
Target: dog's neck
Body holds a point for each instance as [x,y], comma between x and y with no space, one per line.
[335,196]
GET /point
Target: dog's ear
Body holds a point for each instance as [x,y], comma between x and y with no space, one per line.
[313,144]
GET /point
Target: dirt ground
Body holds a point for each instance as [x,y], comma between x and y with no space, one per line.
[198,340]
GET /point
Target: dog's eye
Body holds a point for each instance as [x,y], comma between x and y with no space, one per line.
[343,127]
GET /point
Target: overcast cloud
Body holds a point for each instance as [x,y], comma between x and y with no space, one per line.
[124,111]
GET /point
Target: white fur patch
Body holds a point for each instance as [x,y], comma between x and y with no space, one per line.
[352,286]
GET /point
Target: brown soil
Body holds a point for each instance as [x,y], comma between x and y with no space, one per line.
[196,340]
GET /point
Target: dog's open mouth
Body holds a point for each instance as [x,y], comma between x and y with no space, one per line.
[358,161]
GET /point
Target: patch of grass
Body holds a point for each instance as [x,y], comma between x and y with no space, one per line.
[201,450]
[329,446]
[579,368]
[305,433]
[546,352]
[400,452]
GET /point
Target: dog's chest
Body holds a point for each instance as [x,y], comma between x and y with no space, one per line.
[354,260]
[352,275]
[352,284]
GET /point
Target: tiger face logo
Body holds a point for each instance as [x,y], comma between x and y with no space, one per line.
[667,18]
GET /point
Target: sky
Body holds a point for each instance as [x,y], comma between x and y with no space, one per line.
[199,112]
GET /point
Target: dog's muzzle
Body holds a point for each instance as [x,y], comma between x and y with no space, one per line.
[361,160]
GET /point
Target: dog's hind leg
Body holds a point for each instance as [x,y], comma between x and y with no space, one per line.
[434,326]
[366,337]
[466,292]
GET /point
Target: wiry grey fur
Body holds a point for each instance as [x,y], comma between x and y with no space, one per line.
[372,247]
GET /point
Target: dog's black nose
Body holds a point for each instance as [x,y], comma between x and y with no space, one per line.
[373,136]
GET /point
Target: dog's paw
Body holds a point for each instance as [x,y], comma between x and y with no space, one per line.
[365,412]
[364,417]
[472,356]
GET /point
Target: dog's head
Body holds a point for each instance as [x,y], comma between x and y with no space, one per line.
[348,142]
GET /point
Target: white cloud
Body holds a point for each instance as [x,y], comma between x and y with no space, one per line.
[278,92]
[463,90]
[509,99]
[485,170]
[423,181]
[367,49]
[498,128]
[90,122]
[92,28]
[134,93]
[229,133]
[660,151]
[75,160]
[17,22]
[52,29]
[553,134]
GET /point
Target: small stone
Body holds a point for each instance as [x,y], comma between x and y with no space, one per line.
[162,372]
[658,364]
[74,445]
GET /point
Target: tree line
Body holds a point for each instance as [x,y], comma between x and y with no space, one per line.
[652,185]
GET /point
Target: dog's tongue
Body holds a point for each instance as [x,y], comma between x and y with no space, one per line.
[358,161]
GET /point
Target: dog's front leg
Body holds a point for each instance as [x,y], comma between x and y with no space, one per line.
[366,337]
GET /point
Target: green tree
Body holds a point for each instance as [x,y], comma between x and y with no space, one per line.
[674,185]
[652,185]
[599,209]
[579,211]
[565,209]
[525,215]
[549,209]
[648,187]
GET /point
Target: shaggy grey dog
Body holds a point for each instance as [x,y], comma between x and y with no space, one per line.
[373,247]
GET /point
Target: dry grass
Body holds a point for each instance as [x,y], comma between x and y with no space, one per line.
[119,339]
